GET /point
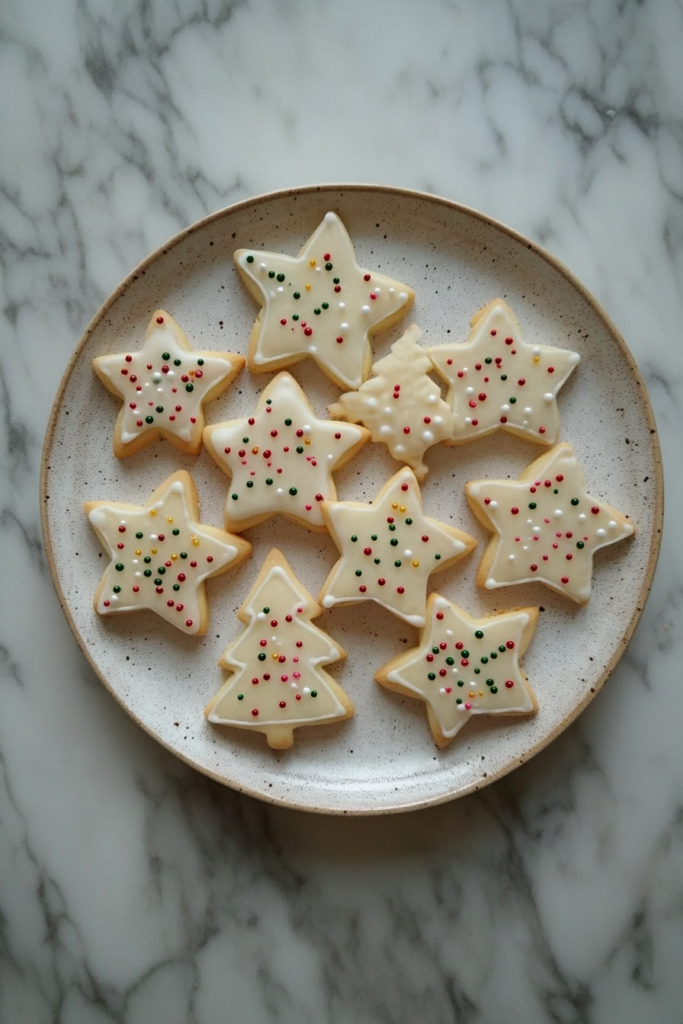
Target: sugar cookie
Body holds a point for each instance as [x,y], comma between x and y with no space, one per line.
[279,683]
[164,387]
[499,382]
[546,526]
[319,304]
[401,405]
[389,549]
[161,555]
[281,458]
[465,666]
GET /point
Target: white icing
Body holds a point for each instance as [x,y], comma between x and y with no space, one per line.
[559,542]
[302,456]
[401,589]
[146,390]
[306,276]
[162,558]
[476,696]
[522,401]
[406,396]
[297,675]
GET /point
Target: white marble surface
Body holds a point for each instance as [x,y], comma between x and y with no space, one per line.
[134,890]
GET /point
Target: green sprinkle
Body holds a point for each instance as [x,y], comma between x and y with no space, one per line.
[493,655]
[393,542]
[512,400]
[161,570]
[532,504]
[502,648]
[160,408]
[200,362]
[271,274]
[437,557]
[176,531]
[269,401]
[165,356]
[250,259]
[326,305]
[435,650]
[461,682]
[234,497]
[373,536]
[147,559]
[245,440]
[176,362]
[117,590]
[250,483]
[575,501]
[314,693]
[280,277]
[398,564]
[296,295]
[328,266]
[409,522]
[479,634]
[292,490]
[489,682]
[317,311]
[183,554]
[240,696]
[158,582]
[139,536]
[261,656]
[488,359]
[148,572]
[176,586]
[269,480]
[295,316]
[431,675]
[392,526]
[149,419]
[189,387]
[359,572]
[458,700]
[580,544]
[477,671]
[555,490]
[484,660]
[465,654]
[335,280]
[266,610]
[494,689]
[288,423]
[450,661]
[354,538]
[376,561]
[299,449]
[504,376]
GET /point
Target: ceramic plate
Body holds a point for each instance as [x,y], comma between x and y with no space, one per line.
[383,759]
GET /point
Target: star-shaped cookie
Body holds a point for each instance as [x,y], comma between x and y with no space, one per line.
[161,555]
[545,526]
[164,387]
[499,382]
[389,549]
[319,304]
[465,666]
[281,458]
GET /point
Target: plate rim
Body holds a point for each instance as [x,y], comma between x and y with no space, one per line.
[576,284]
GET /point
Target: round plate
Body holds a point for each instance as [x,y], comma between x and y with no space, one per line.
[383,759]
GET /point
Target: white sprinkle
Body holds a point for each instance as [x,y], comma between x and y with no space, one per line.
[312,348]
[557,513]
[342,305]
[365,309]
[399,449]
[262,266]
[505,408]
[548,396]
[528,411]
[402,296]
[433,399]
[427,436]
[407,554]
[387,410]
[511,558]
[156,377]
[612,525]
[536,351]
[582,517]
[280,289]
[601,533]
[391,291]
[280,491]
[343,327]
[493,504]
[372,403]
[385,430]
[537,529]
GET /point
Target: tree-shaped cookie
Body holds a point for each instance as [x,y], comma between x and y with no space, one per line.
[499,382]
[278,681]
[389,549]
[545,526]
[401,405]
[319,304]
[164,387]
[161,554]
[281,458]
[465,666]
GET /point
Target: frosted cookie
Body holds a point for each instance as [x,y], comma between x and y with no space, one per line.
[319,304]
[464,666]
[160,555]
[278,683]
[389,549]
[546,526]
[401,405]
[164,387]
[282,458]
[499,382]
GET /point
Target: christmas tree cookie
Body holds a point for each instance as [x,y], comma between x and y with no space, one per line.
[319,304]
[401,405]
[278,682]
[389,549]
[282,458]
[160,555]
[164,387]
[464,666]
[545,526]
[499,382]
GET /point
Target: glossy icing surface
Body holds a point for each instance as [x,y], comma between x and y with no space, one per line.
[389,550]
[467,666]
[498,381]
[281,458]
[321,303]
[549,526]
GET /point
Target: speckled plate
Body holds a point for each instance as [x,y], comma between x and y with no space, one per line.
[384,759]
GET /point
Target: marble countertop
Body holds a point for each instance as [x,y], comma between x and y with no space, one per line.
[134,890]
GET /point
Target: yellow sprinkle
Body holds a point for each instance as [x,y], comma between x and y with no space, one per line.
[307,287]
[307,440]
[311,263]
[254,450]
[191,373]
[537,359]
[481,693]
[394,504]
[153,550]
[415,564]
[138,551]
[169,519]
[152,511]
[274,657]
[195,542]
[471,693]
[174,557]
[401,508]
